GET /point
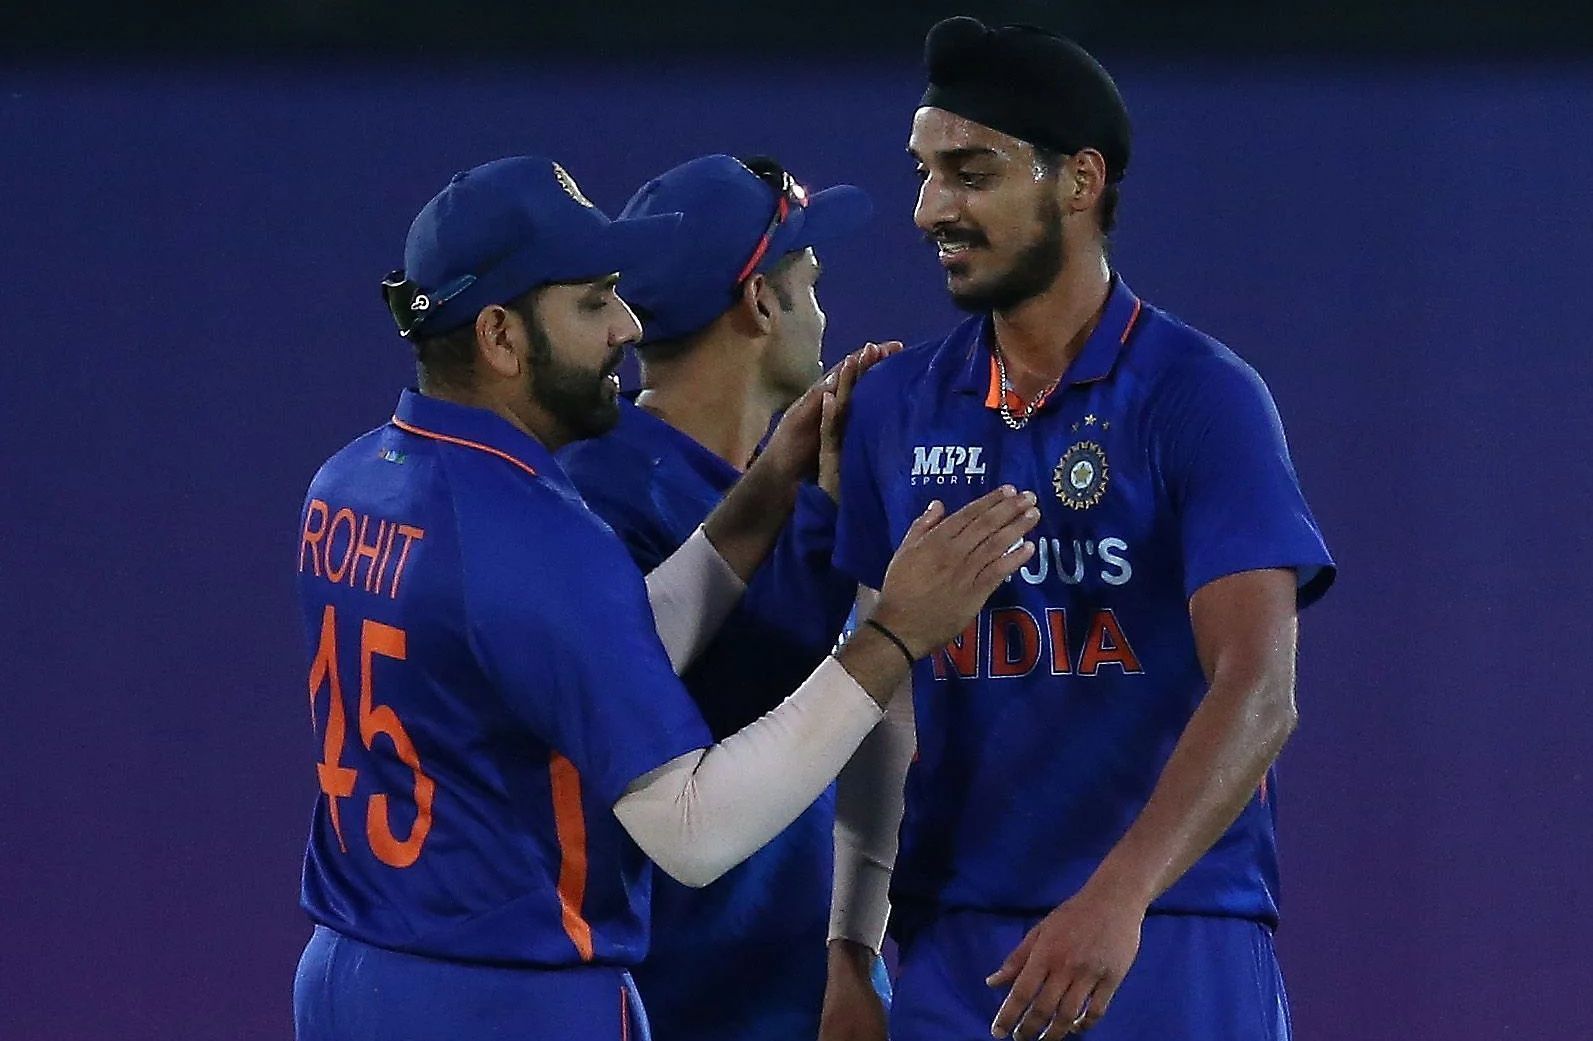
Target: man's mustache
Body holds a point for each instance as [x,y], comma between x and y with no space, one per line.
[956,237]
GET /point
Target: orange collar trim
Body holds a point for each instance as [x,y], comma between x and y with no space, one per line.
[409,428]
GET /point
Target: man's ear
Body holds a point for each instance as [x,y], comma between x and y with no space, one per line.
[754,307]
[1082,181]
[496,341]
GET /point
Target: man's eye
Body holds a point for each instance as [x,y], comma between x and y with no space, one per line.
[595,305]
[971,179]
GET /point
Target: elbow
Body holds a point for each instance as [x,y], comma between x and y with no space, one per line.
[693,872]
[1282,717]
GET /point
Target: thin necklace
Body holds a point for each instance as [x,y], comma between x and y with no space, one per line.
[1020,421]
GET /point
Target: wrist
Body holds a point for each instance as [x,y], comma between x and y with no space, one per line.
[898,627]
[1121,884]
[777,472]
[851,954]
[895,640]
[874,663]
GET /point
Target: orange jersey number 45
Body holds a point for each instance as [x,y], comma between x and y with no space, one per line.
[337,780]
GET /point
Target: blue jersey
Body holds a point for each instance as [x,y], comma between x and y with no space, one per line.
[486,681]
[745,957]
[1160,465]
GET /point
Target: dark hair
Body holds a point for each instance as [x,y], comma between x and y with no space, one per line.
[1051,160]
[449,359]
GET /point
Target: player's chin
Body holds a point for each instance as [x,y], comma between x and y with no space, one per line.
[598,420]
[967,294]
[960,274]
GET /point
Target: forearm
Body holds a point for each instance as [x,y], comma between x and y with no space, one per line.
[868,816]
[746,523]
[691,593]
[1220,760]
[701,814]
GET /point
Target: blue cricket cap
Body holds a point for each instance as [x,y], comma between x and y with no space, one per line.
[735,223]
[506,227]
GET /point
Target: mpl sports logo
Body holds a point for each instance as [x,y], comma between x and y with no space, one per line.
[948,464]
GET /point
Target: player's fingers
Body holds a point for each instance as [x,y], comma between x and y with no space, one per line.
[1100,998]
[989,577]
[959,521]
[981,538]
[881,352]
[846,379]
[1073,1008]
[865,355]
[830,423]
[1042,1013]
[1030,979]
[1009,968]
[994,548]
[925,522]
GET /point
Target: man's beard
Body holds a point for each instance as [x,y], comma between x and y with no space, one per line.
[578,399]
[1032,271]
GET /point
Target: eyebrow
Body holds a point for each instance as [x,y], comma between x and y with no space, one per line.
[955,155]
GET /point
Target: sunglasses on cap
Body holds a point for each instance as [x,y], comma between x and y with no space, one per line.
[790,196]
[411,305]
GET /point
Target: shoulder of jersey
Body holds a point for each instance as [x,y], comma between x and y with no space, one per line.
[357,450]
[622,453]
[1166,345]
[904,368]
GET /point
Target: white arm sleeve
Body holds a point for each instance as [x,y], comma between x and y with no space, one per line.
[702,813]
[692,592]
[868,816]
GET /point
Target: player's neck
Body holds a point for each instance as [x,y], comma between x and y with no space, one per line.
[1040,337]
[714,396]
[529,420]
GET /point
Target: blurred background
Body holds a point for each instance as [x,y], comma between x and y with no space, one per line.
[1385,207]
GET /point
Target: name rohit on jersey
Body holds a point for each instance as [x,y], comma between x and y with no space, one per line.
[334,545]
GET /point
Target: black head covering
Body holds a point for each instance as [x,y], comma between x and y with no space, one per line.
[1030,83]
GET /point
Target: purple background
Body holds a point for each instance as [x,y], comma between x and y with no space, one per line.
[188,268]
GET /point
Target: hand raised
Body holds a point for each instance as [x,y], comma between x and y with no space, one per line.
[947,566]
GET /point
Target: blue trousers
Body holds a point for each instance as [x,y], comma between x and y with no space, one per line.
[1196,978]
[346,990]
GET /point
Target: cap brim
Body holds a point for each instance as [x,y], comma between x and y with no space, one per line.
[835,213]
[624,244]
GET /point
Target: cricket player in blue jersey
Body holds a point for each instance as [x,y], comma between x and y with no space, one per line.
[1088,837]
[502,739]
[731,335]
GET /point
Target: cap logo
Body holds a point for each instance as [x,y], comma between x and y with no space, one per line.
[422,302]
[571,189]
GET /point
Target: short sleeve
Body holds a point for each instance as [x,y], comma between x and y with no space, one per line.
[561,622]
[862,529]
[1234,491]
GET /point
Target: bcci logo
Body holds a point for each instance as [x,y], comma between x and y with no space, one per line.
[571,189]
[1080,475]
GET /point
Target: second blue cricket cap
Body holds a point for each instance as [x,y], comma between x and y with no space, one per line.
[503,228]
[734,223]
